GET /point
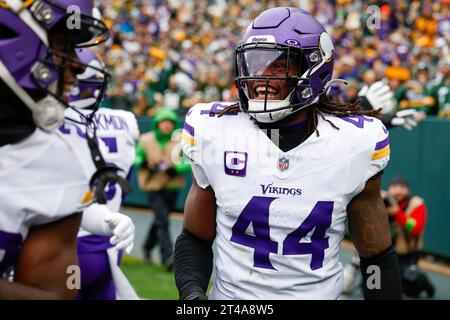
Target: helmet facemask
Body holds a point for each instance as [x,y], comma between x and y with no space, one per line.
[54,71]
[84,29]
[273,79]
[91,87]
[64,38]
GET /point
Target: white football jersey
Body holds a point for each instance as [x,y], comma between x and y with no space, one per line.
[117,133]
[281,215]
[41,181]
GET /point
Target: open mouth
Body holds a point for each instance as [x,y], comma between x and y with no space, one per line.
[260,91]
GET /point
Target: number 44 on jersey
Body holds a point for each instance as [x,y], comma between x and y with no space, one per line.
[257,213]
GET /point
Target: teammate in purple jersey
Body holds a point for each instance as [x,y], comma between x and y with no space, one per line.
[42,184]
[325,169]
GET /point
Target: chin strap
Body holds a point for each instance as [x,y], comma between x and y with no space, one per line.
[106,172]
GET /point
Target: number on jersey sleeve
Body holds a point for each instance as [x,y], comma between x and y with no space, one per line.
[216,109]
[357,120]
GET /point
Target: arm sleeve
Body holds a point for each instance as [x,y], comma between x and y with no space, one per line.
[193,262]
[386,284]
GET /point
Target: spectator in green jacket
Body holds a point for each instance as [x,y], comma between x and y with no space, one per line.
[161,169]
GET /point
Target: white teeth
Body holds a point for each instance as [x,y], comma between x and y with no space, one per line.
[263,90]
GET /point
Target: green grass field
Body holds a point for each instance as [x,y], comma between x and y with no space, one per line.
[150,281]
[155,283]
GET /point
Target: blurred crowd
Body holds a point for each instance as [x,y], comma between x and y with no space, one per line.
[176,53]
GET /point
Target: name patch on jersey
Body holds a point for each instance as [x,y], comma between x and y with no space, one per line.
[110,122]
[103,122]
[235,163]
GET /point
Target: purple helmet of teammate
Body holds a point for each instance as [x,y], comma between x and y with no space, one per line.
[31,66]
[92,84]
[283,64]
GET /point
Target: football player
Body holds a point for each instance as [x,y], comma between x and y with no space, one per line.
[278,175]
[42,180]
[380,95]
[105,231]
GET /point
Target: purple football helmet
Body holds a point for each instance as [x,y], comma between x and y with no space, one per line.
[92,84]
[283,64]
[29,64]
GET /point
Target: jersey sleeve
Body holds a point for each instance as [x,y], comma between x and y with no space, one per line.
[191,141]
[373,155]
[133,126]
[381,150]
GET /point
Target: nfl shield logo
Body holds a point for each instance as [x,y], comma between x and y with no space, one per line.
[283,163]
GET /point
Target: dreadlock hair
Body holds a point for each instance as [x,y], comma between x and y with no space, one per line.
[326,105]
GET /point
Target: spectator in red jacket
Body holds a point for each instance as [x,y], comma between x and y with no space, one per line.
[408,215]
[409,212]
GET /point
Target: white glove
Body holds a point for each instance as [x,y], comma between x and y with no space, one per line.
[122,228]
[379,95]
[406,118]
[100,220]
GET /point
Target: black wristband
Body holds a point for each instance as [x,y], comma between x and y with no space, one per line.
[193,263]
[381,276]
